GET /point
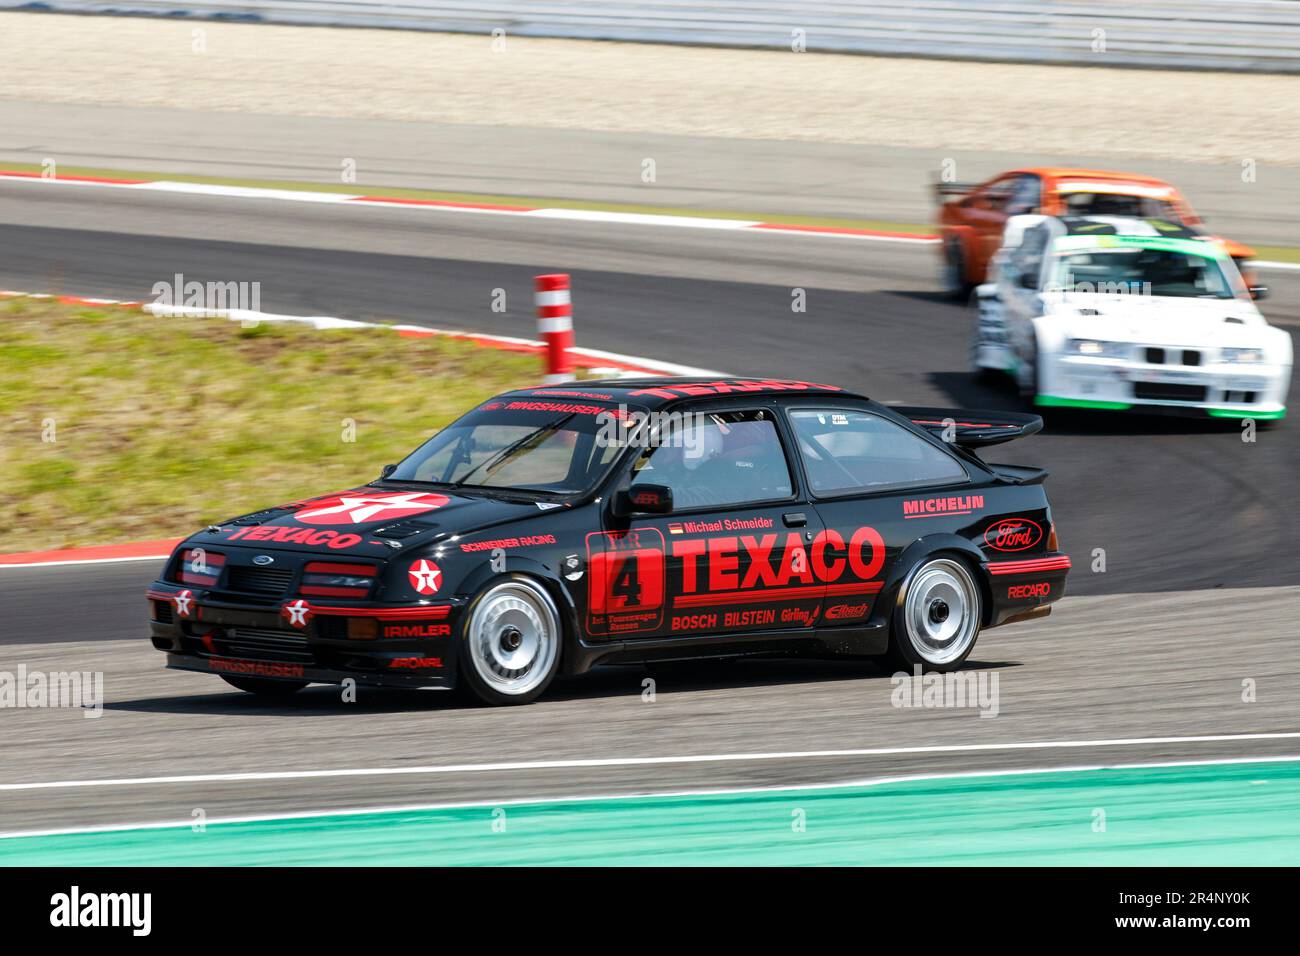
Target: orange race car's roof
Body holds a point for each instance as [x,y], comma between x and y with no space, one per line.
[1095,175]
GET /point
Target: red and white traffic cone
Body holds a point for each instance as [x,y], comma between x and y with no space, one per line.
[555,325]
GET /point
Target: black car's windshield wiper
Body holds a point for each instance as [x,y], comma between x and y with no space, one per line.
[505,454]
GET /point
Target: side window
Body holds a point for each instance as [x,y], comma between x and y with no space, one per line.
[1027,258]
[996,194]
[716,459]
[845,450]
[1025,196]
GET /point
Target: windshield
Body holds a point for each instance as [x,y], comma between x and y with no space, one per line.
[1115,204]
[1140,271]
[550,447]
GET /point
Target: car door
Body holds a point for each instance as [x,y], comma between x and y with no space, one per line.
[870,479]
[731,558]
[988,218]
[1020,293]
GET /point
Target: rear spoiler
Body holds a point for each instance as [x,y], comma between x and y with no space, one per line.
[945,191]
[971,428]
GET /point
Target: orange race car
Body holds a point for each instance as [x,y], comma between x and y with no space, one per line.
[972,216]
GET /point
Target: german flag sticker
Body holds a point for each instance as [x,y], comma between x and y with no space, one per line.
[674,527]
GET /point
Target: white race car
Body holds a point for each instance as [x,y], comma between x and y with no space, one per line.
[1113,313]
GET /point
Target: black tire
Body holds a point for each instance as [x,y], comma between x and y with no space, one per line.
[983,376]
[918,640]
[265,686]
[955,285]
[1029,393]
[512,620]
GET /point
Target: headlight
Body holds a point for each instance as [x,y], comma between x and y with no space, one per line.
[1094,348]
[1243,355]
[336,580]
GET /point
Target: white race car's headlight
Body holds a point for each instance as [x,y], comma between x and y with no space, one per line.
[1094,348]
[1243,355]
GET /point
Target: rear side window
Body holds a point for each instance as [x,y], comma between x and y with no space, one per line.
[846,451]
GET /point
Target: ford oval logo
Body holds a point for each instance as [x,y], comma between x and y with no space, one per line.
[263,559]
[1013,534]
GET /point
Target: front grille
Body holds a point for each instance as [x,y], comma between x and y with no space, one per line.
[331,628]
[1169,392]
[264,641]
[162,612]
[254,580]
[1158,356]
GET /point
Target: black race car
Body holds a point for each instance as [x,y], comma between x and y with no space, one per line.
[631,520]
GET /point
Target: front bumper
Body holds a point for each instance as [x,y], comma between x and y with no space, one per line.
[301,672]
[412,646]
[1219,390]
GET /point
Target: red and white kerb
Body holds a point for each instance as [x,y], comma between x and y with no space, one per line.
[555,325]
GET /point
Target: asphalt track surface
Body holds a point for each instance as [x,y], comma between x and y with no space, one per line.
[751,176]
[1198,529]
[1174,504]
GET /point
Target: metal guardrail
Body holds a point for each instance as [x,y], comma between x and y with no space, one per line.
[1249,35]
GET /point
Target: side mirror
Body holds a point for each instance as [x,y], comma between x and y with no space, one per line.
[388,470]
[1259,292]
[644,499]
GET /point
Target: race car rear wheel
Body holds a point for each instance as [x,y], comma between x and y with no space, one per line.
[265,686]
[937,616]
[510,650]
[954,270]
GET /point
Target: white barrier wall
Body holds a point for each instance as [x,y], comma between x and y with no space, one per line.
[1256,35]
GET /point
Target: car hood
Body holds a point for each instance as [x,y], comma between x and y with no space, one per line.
[370,521]
[1160,320]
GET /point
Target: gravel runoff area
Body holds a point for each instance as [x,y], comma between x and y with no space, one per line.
[308,71]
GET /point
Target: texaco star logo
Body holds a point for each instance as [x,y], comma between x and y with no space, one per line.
[183,601]
[425,576]
[362,508]
[298,612]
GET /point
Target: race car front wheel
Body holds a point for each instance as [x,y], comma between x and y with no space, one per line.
[510,650]
[1028,376]
[265,686]
[937,616]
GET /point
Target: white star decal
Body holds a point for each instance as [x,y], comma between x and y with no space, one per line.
[361,508]
[425,576]
[183,600]
[297,613]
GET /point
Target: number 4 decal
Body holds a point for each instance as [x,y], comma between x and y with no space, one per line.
[625,583]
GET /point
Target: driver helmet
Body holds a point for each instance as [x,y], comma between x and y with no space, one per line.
[701,443]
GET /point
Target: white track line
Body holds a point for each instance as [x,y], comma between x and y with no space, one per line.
[72,561]
[612,217]
[579,798]
[751,226]
[572,764]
